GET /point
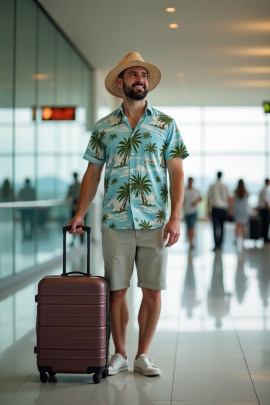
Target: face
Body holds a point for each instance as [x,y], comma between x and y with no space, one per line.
[135,83]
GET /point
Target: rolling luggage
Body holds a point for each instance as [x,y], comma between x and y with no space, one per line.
[73,325]
[255,232]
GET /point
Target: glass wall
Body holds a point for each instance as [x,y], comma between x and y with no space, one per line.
[234,140]
[38,68]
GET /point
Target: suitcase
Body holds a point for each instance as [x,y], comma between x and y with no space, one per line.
[73,325]
[255,231]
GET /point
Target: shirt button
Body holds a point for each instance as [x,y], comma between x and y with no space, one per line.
[132,154]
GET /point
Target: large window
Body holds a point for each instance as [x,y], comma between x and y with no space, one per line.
[38,68]
[234,140]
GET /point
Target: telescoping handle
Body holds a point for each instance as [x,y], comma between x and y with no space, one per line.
[65,230]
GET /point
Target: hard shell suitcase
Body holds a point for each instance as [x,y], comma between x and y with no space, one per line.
[73,325]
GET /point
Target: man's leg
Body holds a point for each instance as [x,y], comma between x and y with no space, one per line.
[119,320]
[222,221]
[215,226]
[148,318]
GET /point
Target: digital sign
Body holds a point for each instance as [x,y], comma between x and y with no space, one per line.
[58,113]
[266,106]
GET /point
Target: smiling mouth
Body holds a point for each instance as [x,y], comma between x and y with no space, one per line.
[139,87]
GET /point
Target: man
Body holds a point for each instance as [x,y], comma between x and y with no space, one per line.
[192,199]
[137,143]
[264,210]
[219,202]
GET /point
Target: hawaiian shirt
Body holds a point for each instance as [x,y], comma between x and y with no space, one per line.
[135,182]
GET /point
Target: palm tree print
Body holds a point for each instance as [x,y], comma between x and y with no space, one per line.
[140,185]
[114,181]
[162,151]
[106,183]
[161,216]
[164,193]
[151,148]
[145,225]
[178,151]
[96,143]
[126,145]
[112,226]
[147,135]
[112,137]
[158,179]
[164,120]
[105,218]
[123,194]
[117,122]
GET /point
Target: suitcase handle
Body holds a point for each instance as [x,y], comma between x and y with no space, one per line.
[86,229]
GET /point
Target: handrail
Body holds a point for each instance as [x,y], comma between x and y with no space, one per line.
[33,204]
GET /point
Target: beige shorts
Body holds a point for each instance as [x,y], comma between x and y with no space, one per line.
[144,247]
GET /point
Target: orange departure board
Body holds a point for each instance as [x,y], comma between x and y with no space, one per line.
[58,113]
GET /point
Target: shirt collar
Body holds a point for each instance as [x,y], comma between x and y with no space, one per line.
[119,111]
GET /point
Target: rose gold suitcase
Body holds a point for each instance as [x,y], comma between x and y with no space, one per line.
[73,325]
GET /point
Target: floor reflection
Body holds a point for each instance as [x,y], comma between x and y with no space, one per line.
[189,295]
[218,300]
[213,332]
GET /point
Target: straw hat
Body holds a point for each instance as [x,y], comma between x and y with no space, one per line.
[132,59]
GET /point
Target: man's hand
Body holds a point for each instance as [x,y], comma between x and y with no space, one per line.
[77,220]
[172,229]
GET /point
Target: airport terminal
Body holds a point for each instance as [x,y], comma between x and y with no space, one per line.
[212,340]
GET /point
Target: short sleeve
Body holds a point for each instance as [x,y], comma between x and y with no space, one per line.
[175,146]
[95,151]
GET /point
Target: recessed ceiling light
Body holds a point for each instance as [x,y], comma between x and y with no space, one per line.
[173,25]
[170,10]
[180,75]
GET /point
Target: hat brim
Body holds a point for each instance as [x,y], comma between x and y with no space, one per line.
[154,76]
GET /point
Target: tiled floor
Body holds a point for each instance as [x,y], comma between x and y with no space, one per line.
[212,342]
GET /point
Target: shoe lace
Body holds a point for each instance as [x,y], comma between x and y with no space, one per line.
[148,361]
[114,360]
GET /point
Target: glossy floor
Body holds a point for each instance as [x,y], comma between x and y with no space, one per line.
[212,342]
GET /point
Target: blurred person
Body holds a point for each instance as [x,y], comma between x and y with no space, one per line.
[264,210]
[27,193]
[240,210]
[6,191]
[136,228]
[191,200]
[219,203]
[73,196]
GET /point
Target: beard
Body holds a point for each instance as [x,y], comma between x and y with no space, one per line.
[134,94]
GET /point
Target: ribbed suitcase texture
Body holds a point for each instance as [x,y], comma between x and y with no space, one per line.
[72,325]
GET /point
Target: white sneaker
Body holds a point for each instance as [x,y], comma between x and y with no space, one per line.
[117,364]
[145,365]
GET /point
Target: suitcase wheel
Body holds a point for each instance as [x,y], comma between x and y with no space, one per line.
[43,376]
[105,373]
[96,378]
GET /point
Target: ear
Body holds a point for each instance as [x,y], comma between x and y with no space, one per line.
[119,83]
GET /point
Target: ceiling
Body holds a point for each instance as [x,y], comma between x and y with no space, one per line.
[219,54]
